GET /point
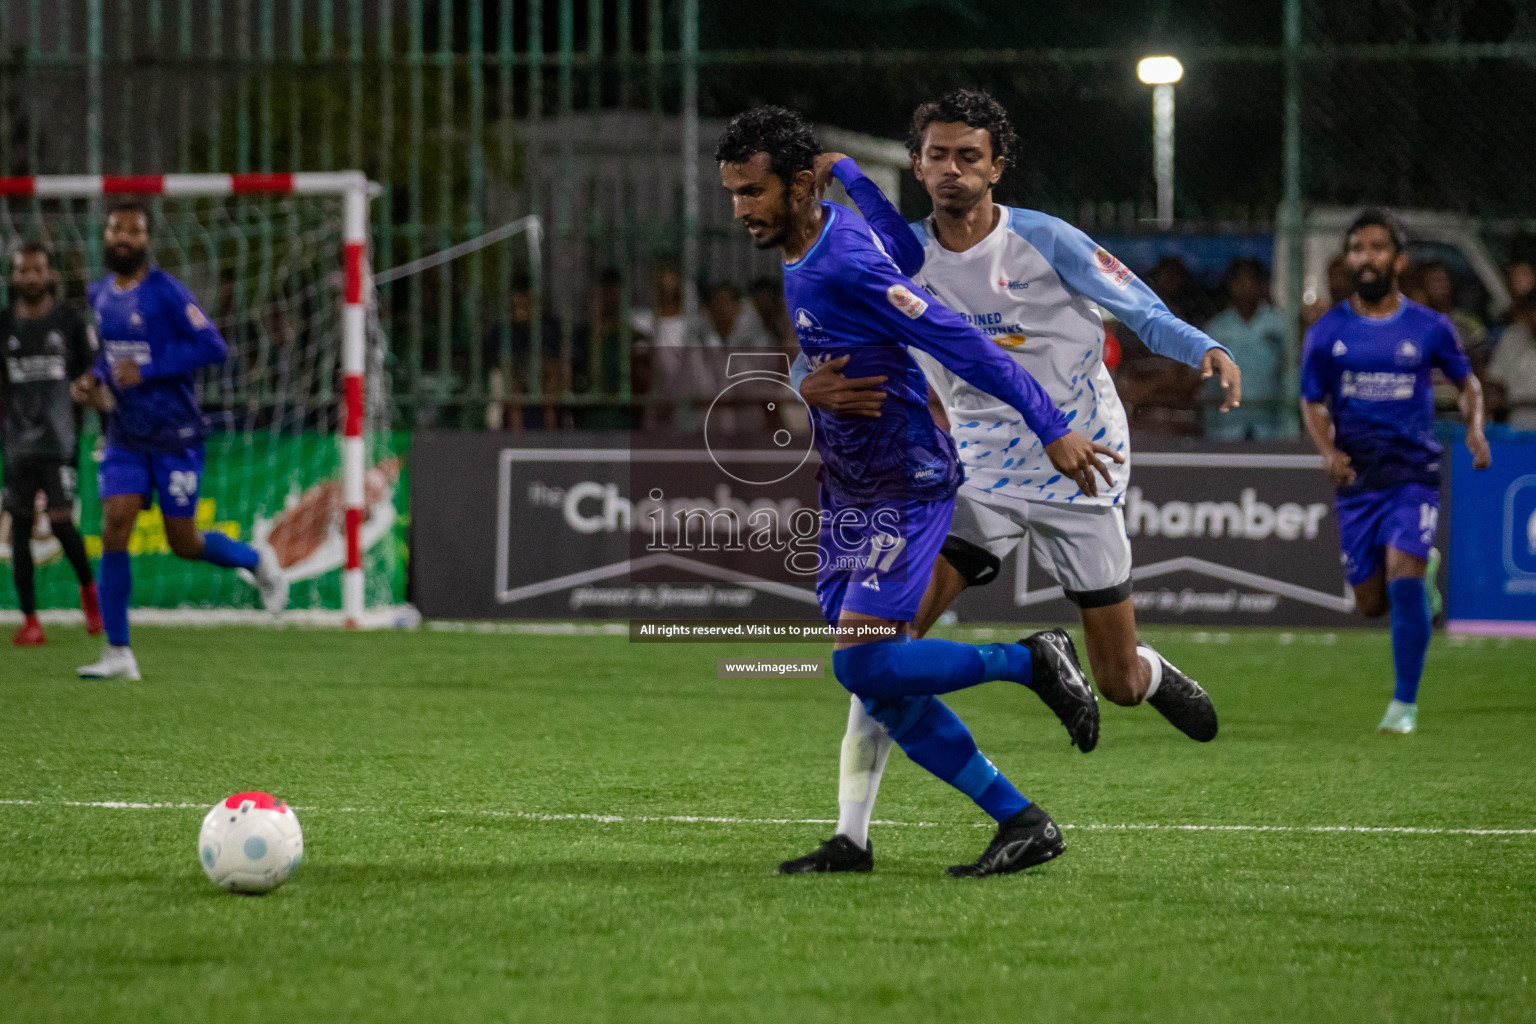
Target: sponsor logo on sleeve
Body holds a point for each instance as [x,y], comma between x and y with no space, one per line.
[195,317]
[1339,348]
[905,300]
[1118,273]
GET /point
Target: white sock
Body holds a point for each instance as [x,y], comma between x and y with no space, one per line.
[866,746]
[1155,669]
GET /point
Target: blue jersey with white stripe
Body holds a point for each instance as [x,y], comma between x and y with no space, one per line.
[159,325]
[1375,374]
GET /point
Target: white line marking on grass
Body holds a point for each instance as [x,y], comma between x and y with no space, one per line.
[706,819]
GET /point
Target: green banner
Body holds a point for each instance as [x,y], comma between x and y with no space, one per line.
[283,491]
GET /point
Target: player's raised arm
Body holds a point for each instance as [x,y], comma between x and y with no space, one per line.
[1089,269]
[915,318]
[894,232]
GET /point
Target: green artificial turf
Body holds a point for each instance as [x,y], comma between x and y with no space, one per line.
[440,882]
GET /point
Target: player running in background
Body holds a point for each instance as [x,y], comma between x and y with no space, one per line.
[1368,403]
[154,335]
[888,483]
[47,345]
[1032,284]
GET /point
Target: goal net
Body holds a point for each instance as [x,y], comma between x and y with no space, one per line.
[300,454]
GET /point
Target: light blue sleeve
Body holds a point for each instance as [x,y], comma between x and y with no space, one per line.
[798,371]
[1088,269]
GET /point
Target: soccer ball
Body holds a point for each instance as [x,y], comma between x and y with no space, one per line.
[250,843]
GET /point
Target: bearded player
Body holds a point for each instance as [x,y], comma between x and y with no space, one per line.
[47,345]
[1368,403]
[888,483]
[154,336]
[1032,284]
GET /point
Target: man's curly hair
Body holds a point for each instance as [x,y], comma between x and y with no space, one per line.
[783,134]
[971,107]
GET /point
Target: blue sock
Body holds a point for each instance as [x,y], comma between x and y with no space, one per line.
[934,737]
[230,554]
[112,592]
[896,669]
[1410,634]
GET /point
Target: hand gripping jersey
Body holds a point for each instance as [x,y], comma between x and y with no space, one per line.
[1376,372]
[159,325]
[846,297]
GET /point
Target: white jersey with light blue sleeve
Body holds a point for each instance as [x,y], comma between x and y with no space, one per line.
[1034,285]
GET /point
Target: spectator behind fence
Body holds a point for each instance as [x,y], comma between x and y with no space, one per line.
[1340,287]
[734,323]
[1255,335]
[503,409]
[1520,279]
[1438,290]
[1159,394]
[1512,371]
[674,341]
[768,301]
[598,367]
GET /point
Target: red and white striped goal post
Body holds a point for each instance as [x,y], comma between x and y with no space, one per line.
[355,189]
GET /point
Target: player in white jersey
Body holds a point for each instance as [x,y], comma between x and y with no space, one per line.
[1032,283]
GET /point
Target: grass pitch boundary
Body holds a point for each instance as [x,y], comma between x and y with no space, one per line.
[701,819]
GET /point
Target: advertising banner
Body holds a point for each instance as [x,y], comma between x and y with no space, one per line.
[566,526]
[280,490]
[1493,538]
[1220,536]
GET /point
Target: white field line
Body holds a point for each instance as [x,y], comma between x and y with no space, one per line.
[701,819]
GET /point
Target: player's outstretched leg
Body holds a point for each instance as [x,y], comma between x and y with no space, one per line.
[935,738]
[898,681]
[259,569]
[1129,673]
[866,747]
[31,632]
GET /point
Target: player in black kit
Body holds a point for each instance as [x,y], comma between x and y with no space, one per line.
[47,344]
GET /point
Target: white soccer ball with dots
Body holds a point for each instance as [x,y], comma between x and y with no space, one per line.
[250,843]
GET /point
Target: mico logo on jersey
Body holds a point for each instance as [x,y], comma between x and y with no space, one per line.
[1012,286]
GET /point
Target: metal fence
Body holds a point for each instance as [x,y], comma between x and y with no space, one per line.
[599,116]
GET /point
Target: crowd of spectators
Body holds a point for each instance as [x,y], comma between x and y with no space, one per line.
[659,364]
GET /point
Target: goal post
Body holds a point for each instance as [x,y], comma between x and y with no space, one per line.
[280,262]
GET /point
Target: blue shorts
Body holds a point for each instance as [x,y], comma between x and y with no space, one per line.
[1402,517]
[876,559]
[174,476]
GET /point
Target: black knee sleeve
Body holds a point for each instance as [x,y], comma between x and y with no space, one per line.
[975,564]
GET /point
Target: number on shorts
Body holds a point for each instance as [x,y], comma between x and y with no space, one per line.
[1429,515]
[883,549]
[182,484]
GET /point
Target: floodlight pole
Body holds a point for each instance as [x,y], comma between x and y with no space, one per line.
[1162,152]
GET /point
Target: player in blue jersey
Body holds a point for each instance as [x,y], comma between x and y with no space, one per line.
[153,336]
[1368,404]
[888,483]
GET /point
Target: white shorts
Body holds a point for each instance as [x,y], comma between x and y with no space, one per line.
[1084,547]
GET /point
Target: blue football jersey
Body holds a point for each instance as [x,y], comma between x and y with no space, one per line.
[1375,374]
[847,297]
[159,325]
